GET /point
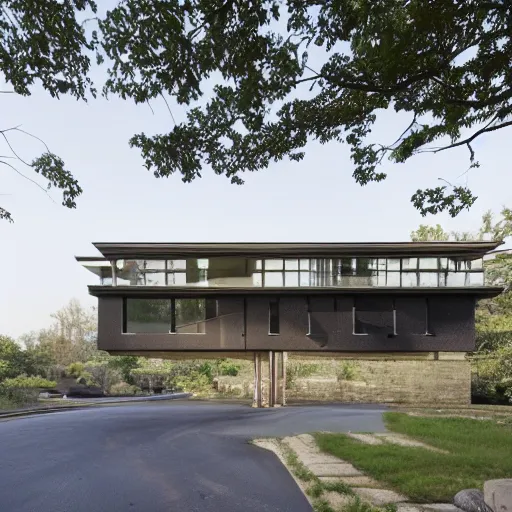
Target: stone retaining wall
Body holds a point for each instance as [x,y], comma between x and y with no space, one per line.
[430,378]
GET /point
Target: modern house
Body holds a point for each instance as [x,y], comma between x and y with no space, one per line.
[265,299]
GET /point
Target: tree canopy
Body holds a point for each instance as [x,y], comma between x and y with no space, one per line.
[283,73]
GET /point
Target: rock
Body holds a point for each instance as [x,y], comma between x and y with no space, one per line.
[379,497]
[471,500]
[498,494]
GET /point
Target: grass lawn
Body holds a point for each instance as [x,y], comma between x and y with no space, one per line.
[479,450]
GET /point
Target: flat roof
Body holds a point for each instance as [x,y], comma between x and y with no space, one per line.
[466,250]
[160,292]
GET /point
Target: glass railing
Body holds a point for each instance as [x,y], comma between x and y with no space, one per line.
[237,272]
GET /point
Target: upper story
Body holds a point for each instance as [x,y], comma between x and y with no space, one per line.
[291,267]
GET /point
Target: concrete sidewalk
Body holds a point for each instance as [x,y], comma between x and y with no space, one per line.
[324,477]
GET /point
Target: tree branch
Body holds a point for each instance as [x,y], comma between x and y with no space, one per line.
[29,179]
[469,139]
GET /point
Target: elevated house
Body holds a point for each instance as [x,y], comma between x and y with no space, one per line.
[264,300]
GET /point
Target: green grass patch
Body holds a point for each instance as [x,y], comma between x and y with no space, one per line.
[478,451]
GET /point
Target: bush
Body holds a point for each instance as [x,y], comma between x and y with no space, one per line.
[102,375]
[193,382]
[123,388]
[75,369]
[22,381]
[348,370]
[23,390]
[299,371]
[228,368]
[492,380]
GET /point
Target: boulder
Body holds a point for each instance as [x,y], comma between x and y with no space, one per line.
[471,500]
[498,494]
[85,391]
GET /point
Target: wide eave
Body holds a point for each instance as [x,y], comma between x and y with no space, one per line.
[467,250]
[162,292]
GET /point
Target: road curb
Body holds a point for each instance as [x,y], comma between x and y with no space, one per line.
[85,405]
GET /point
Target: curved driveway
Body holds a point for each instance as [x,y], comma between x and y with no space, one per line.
[160,457]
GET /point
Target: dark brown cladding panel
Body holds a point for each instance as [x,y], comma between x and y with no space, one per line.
[316,323]
[224,332]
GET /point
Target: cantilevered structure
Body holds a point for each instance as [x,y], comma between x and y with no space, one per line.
[266,298]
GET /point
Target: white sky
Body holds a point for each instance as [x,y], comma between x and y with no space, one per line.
[311,201]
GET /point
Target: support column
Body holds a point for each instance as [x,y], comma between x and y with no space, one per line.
[275,378]
[271,382]
[284,358]
[256,401]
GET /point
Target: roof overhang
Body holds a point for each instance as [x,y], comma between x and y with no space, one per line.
[466,250]
[156,292]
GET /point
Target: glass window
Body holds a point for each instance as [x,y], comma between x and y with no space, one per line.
[393,279]
[273,264]
[176,279]
[372,263]
[409,263]
[477,264]
[155,278]
[304,264]
[443,263]
[189,316]
[379,279]
[428,263]
[273,316]
[177,264]
[291,279]
[258,264]
[364,266]
[291,264]
[257,279]
[393,264]
[202,263]
[409,279]
[428,279]
[304,279]
[442,279]
[154,264]
[273,279]
[148,315]
[456,279]
[475,279]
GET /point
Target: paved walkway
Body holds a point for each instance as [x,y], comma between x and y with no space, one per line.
[328,469]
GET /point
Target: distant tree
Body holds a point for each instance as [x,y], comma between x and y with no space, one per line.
[489,230]
[430,234]
[12,358]
[71,338]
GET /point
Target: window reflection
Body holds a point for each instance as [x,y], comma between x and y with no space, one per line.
[239,272]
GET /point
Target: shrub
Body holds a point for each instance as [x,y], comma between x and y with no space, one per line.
[299,371]
[75,369]
[347,371]
[22,381]
[193,382]
[493,376]
[123,388]
[102,375]
[227,367]
[23,390]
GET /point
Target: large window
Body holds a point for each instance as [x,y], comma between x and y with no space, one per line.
[181,316]
[239,272]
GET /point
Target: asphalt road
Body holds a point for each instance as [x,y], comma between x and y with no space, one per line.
[160,457]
